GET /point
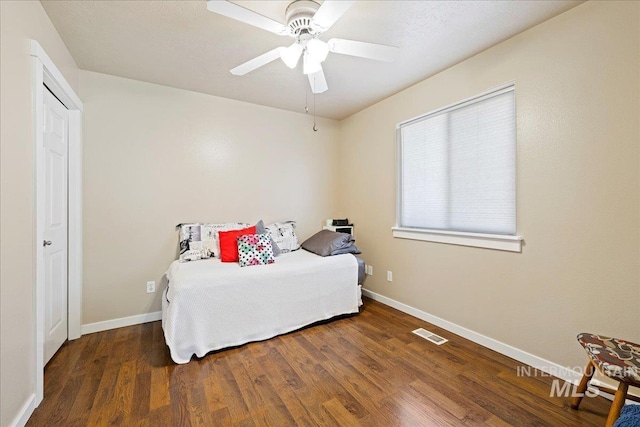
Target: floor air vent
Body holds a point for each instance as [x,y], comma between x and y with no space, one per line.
[430,336]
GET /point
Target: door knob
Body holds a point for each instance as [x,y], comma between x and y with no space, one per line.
[47,243]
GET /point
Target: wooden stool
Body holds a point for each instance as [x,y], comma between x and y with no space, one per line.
[614,358]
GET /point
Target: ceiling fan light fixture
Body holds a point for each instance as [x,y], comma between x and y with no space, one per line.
[291,55]
[317,50]
[309,64]
[307,20]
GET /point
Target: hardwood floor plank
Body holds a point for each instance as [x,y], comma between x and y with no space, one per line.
[221,417]
[199,413]
[213,392]
[79,412]
[324,384]
[340,414]
[122,402]
[60,414]
[276,408]
[161,417]
[361,370]
[523,399]
[159,392]
[179,393]
[144,347]
[87,357]
[233,396]
[465,411]
[248,377]
[358,383]
[285,382]
[104,397]
[501,406]
[335,388]
[291,378]
[141,396]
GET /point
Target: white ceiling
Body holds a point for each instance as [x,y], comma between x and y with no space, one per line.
[181,44]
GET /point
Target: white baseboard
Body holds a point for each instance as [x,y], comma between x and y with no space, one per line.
[529,359]
[90,328]
[21,418]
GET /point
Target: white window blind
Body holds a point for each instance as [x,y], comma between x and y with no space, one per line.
[458,167]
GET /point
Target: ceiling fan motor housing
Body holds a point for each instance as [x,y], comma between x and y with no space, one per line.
[299,15]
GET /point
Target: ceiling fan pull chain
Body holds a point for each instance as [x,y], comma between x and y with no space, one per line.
[315,128]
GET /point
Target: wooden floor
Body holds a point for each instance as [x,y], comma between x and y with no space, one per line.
[367,369]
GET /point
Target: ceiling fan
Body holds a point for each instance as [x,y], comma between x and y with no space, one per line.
[306,21]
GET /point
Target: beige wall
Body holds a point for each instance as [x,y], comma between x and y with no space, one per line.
[577,82]
[19,22]
[156,156]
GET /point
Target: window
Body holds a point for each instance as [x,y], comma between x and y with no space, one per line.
[457,174]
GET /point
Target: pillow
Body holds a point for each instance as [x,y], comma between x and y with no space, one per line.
[229,243]
[217,228]
[351,249]
[284,235]
[200,241]
[261,229]
[195,242]
[324,242]
[255,249]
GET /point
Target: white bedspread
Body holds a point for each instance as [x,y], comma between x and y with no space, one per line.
[211,305]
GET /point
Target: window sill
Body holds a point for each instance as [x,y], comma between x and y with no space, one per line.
[490,241]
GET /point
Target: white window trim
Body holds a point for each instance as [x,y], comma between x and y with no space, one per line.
[510,243]
[507,87]
[479,240]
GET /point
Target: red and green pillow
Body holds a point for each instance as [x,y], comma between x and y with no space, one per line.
[255,249]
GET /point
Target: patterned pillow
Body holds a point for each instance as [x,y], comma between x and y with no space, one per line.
[200,241]
[284,235]
[255,249]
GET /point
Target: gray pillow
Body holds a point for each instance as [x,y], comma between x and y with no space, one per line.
[324,242]
[351,249]
[261,229]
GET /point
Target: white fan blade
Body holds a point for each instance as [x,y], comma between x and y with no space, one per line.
[329,12]
[317,82]
[257,62]
[379,52]
[239,13]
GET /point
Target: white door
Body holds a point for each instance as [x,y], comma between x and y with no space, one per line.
[56,138]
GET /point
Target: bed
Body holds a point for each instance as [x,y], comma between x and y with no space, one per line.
[210,305]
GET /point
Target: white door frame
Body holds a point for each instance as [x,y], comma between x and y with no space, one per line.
[44,72]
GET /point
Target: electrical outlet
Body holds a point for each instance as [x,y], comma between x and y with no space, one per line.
[368,269]
[151,287]
[389,276]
